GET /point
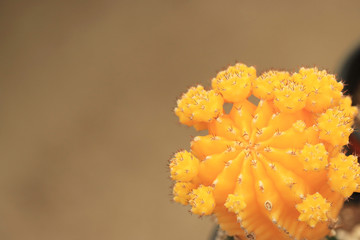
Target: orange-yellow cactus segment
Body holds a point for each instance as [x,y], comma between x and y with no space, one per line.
[203,146]
[264,85]
[242,115]
[344,174]
[263,113]
[335,127]
[286,139]
[199,106]
[202,200]
[290,96]
[212,166]
[225,127]
[313,209]
[225,182]
[235,82]
[314,157]
[235,203]
[181,192]
[322,89]
[184,166]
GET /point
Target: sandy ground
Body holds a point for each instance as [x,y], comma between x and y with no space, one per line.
[87,90]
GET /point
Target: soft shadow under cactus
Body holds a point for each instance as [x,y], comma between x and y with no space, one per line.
[275,170]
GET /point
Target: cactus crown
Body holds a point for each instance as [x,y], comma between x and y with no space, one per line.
[275,170]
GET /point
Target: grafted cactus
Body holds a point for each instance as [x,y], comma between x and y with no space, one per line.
[271,171]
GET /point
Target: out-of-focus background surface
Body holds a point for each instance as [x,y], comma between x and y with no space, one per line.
[87,90]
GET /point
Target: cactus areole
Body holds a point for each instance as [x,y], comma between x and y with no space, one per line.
[275,170]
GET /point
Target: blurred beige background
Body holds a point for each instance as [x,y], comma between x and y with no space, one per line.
[87,90]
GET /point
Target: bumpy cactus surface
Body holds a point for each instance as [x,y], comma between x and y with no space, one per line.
[272,171]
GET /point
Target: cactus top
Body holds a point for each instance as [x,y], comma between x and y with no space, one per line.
[275,170]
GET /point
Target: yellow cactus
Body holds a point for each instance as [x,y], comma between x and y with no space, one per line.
[264,85]
[344,174]
[202,200]
[271,171]
[290,96]
[182,192]
[199,106]
[184,166]
[314,157]
[235,82]
[322,88]
[235,203]
[335,126]
[313,209]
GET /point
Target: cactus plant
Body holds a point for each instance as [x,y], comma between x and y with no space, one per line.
[276,170]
